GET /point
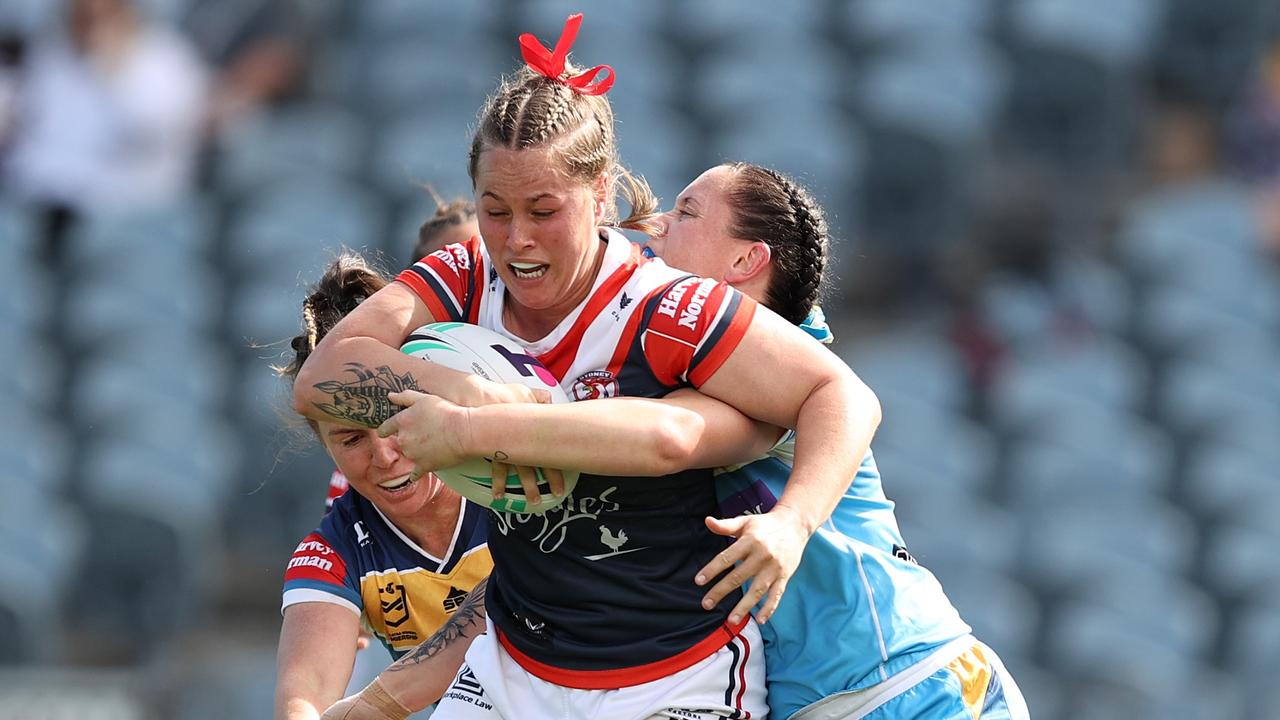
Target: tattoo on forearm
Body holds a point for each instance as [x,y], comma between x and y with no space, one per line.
[468,615]
[364,400]
[500,456]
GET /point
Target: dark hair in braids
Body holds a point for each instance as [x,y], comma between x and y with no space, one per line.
[448,215]
[770,207]
[532,111]
[347,282]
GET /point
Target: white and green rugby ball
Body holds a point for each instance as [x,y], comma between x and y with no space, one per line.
[480,351]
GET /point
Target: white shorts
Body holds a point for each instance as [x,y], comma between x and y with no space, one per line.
[727,684]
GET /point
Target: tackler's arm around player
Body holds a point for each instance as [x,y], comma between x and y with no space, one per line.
[835,416]
[625,436]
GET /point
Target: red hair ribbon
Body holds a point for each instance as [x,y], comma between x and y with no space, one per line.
[551,63]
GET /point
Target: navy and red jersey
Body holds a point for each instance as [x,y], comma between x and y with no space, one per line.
[403,594]
[599,592]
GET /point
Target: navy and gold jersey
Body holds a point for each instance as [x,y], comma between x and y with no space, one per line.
[598,592]
[359,560]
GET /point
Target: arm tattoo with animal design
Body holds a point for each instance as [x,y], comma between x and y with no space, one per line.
[364,399]
[467,621]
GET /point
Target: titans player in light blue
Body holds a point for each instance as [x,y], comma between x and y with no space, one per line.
[862,631]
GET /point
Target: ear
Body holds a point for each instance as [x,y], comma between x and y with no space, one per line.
[599,192]
[749,264]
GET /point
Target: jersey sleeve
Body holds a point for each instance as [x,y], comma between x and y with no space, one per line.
[337,488]
[695,326]
[317,573]
[447,280]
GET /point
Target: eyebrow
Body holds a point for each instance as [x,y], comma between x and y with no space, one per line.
[340,431]
[535,198]
[687,201]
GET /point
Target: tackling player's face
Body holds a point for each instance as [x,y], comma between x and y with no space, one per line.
[695,235]
[377,469]
[539,226]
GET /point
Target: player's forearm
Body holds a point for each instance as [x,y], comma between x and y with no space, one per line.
[842,413]
[347,380]
[420,678]
[618,436]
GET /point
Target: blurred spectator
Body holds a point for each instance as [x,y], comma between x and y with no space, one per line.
[1182,145]
[1253,137]
[1253,127]
[258,48]
[108,113]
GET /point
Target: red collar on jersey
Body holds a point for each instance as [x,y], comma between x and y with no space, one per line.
[551,62]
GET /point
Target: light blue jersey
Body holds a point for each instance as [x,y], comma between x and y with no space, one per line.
[858,609]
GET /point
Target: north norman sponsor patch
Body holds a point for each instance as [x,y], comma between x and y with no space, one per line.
[405,608]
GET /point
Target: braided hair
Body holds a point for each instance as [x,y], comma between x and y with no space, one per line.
[448,215]
[770,207]
[530,110]
[346,283]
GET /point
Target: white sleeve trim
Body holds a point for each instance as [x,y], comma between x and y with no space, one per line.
[297,596]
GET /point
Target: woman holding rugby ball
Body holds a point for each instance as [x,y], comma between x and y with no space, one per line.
[596,597]
[864,631]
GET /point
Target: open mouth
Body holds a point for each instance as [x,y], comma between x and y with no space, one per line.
[397,484]
[528,271]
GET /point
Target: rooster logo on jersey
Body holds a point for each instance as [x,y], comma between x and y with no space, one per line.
[595,385]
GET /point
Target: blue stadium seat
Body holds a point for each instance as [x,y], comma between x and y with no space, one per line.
[1253,649]
[1115,33]
[1080,538]
[114,242]
[290,143]
[1100,373]
[949,532]
[427,147]
[1045,470]
[1145,629]
[736,87]
[425,22]
[743,24]
[1240,556]
[1223,479]
[1199,399]
[819,150]
[401,75]
[1001,611]
[35,581]
[181,301]
[913,362]
[876,22]
[1162,228]
[940,444]
[1175,323]
[946,88]
[288,229]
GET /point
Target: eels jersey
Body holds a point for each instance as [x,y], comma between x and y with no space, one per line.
[598,592]
[858,609]
[359,560]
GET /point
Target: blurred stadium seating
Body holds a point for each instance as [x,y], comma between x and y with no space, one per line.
[1100,501]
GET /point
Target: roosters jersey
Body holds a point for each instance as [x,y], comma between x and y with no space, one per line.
[359,560]
[598,592]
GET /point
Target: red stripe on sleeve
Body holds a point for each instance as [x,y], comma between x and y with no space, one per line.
[726,343]
[425,294]
[315,559]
